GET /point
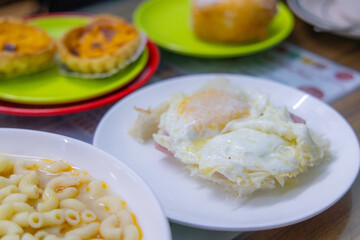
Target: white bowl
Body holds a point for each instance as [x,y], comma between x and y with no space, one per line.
[121,179]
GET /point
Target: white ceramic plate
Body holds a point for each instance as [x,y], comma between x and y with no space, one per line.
[191,202]
[101,165]
[327,16]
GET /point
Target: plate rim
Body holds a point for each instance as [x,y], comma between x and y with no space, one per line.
[286,31]
[55,110]
[306,16]
[49,100]
[110,158]
[110,112]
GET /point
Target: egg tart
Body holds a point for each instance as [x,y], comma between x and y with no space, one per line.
[100,46]
[23,48]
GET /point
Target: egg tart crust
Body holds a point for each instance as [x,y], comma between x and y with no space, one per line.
[100,46]
[23,48]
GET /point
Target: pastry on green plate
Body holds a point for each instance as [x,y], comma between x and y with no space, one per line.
[23,48]
[101,46]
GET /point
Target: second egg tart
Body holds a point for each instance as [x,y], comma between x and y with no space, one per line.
[100,46]
[23,48]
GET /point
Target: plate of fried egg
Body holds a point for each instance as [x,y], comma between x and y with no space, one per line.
[233,152]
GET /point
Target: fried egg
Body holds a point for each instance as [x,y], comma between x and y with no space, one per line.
[236,137]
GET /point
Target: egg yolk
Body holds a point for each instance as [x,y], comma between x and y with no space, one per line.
[212,109]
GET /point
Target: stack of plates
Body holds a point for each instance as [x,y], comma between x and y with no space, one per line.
[48,93]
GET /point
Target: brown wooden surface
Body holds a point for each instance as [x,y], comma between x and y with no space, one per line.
[19,8]
[342,220]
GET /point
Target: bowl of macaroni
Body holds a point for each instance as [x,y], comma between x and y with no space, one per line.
[56,187]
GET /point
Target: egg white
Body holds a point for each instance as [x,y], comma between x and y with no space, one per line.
[263,145]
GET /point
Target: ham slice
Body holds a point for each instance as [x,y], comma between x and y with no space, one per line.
[297,119]
[163,149]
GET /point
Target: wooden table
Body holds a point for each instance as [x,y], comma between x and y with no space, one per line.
[341,221]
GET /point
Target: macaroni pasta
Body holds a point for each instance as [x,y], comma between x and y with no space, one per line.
[51,200]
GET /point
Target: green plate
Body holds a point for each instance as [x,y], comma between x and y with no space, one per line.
[49,87]
[167,23]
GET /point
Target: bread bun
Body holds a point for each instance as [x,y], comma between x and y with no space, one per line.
[232,21]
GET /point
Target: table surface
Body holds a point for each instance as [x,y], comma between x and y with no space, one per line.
[342,220]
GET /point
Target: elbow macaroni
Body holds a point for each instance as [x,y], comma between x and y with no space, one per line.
[69,192]
[111,203]
[21,219]
[85,232]
[72,217]
[15,197]
[4,182]
[88,216]
[61,182]
[55,167]
[28,236]
[8,227]
[5,164]
[96,188]
[54,217]
[28,185]
[20,167]
[4,192]
[51,200]
[6,211]
[73,204]
[109,228]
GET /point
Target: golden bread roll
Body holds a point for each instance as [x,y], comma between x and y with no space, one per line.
[232,21]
